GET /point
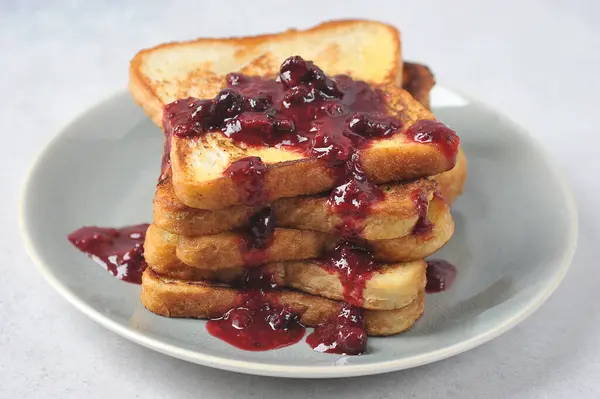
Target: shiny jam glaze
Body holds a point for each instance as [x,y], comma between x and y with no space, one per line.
[440,275]
[354,265]
[119,251]
[436,133]
[248,176]
[343,334]
[423,225]
[257,236]
[258,322]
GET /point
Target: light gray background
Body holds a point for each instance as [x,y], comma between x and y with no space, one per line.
[535,61]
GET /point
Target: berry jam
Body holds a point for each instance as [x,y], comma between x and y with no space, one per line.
[354,265]
[257,236]
[344,334]
[423,225]
[435,132]
[119,251]
[258,322]
[248,175]
[440,275]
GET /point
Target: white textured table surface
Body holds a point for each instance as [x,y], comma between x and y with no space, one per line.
[536,61]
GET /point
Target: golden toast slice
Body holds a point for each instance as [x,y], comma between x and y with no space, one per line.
[170,71]
[204,300]
[418,80]
[451,184]
[177,71]
[389,286]
[164,250]
[392,217]
[199,163]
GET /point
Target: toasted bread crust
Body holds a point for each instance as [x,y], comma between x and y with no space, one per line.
[418,80]
[392,217]
[144,90]
[392,159]
[198,299]
[391,286]
[163,250]
[451,184]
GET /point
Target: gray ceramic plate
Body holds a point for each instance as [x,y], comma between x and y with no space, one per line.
[516,228]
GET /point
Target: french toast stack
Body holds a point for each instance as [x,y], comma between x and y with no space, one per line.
[294,192]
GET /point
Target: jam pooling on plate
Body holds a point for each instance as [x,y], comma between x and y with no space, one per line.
[440,275]
[258,322]
[344,334]
[119,251]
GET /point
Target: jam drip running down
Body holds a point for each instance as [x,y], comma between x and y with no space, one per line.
[344,334]
[257,237]
[248,176]
[423,225]
[119,251]
[354,265]
[440,275]
[258,322]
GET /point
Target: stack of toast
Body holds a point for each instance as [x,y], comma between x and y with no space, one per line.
[303,183]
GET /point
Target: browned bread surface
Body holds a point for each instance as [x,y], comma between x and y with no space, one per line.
[452,183]
[170,71]
[418,80]
[391,286]
[365,50]
[164,250]
[198,163]
[199,299]
[392,217]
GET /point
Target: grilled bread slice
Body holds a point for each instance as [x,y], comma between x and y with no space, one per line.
[394,216]
[365,50]
[174,71]
[390,286]
[164,250]
[204,300]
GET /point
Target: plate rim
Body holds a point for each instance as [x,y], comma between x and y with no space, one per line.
[316,371]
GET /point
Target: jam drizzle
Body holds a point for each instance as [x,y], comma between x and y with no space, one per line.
[436,133]
[257,237]
[119,251]
[343,334]
[354,266]
[248,175]
[423,225]
[440,275]
[258,322]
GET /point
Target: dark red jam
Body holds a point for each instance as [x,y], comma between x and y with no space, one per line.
[257,236]
[440,275]
[435,132]
[248,176]
[423,225]
[354,265]
[352,199]
[119,251]
[344,334]
[258,322]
